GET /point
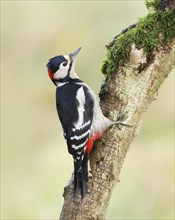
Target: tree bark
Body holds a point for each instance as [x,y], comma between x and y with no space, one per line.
[127,90]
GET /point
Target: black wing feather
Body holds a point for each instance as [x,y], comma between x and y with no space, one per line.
[67,108]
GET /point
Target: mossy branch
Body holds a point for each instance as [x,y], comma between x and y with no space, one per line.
[150,33]
[137,63]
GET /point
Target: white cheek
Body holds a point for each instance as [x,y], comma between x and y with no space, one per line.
[61,73]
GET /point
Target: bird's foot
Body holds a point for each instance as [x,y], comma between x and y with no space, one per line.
[121,117]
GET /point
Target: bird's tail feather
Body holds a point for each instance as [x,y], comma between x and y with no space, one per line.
[81,175]
[85,167]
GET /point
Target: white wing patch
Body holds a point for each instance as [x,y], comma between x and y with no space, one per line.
[82,126]
[76,147]
[81,100]
[78,153]
[80,136]
[99,121]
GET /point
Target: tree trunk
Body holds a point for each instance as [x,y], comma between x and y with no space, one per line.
[130,87]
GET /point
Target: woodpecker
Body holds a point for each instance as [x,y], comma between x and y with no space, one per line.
[80,115]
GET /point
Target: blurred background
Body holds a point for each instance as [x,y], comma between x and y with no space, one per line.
[35,164]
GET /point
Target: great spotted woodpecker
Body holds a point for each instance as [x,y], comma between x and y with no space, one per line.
[80,114]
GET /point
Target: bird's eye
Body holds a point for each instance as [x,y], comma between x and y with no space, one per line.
[65,63]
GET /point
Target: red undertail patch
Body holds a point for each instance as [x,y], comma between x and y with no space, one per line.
[90,142]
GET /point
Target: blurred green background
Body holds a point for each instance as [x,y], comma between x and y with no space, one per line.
[35,163]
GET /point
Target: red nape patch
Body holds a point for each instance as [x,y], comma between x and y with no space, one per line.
[50,74]
[90,142]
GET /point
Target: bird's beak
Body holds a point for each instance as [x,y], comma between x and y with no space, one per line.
[74,54]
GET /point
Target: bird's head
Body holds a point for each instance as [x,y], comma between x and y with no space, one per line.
[62,66]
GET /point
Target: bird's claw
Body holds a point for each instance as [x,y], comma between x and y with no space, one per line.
[120,120]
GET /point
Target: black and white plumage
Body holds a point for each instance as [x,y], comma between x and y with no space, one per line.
[75,109]
[79,112]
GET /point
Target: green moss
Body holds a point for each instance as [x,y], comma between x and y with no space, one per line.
[151,32]
[159,5]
